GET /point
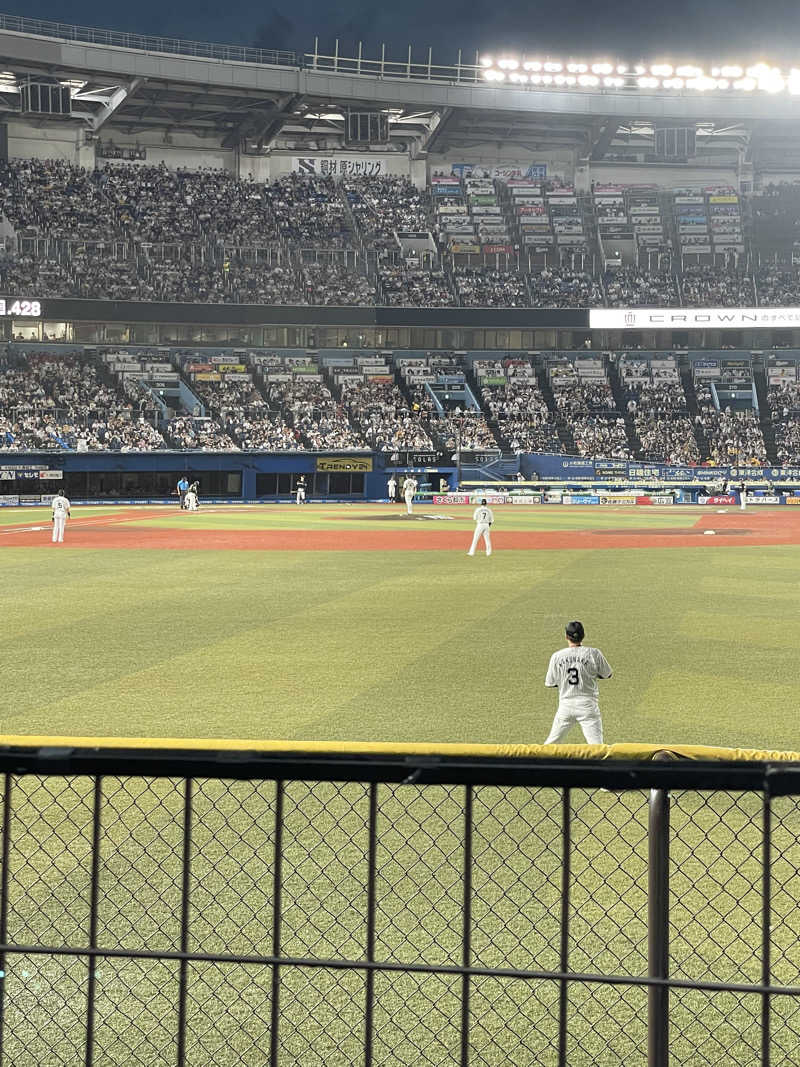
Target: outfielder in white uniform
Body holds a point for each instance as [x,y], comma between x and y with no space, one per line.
[301,491]
[574,672]
[483,519]
[409,488]
[391,489]
[743,496]
[61,512]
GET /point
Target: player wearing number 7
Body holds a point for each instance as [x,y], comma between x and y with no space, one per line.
[574,671]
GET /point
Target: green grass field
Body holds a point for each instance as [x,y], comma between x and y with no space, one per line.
[396,645]
[399,646]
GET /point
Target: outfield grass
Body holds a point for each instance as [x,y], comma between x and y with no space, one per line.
[405,646]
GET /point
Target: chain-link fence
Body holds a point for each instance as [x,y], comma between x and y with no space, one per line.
[170,908]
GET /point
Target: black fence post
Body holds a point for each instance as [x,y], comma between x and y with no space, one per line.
[766,920]
[566,874]
[658,928]
[94,899]
[4,874]
[466,933]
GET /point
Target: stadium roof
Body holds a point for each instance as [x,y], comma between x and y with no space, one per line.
[130,84]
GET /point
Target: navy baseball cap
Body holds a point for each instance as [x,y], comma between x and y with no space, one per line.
[575,630]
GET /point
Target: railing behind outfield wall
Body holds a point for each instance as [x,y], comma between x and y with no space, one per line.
[234,902]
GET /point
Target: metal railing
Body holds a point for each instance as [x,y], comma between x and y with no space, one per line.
[324,907]
[63,31]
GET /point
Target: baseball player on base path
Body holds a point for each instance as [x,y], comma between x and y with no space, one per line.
[483,519]
[574,671]
[61,511]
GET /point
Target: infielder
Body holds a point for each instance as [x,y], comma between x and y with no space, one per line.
[574,671]
[301,490]
[483,519]
[409,488]
[61,512]
[391,489]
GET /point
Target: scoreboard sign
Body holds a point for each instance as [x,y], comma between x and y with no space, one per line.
[29,309]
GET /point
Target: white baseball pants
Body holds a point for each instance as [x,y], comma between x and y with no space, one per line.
[409,500]
[481,531]
[587,718]
[58,527]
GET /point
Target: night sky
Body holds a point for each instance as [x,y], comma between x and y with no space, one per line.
[714,30]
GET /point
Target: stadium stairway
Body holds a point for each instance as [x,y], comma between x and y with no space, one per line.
[563,430]
[691,406]
[764,411]
[618,393]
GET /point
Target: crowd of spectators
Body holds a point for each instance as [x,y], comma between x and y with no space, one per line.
[777,288]
[714,287]
[61,402]
[335,285]
[381,411]
[733,436]
[310,408]
[478,287]
[587,406]
[384,206]
[412,287]
[632,287]
[784,405]
[475,433]
[199,434]
[562,287]
[521,415]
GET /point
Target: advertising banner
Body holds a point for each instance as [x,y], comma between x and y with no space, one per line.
[452,498]
[692,318]
[763,499]
[7,501]
[338,464]
[527,498]
[721,500]
[464,247]
[793,500]
[627,499]
[211,377]
[51,476]
[580,498]
[498,249]
[341,166]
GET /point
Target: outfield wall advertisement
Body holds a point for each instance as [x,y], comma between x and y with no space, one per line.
[563,468]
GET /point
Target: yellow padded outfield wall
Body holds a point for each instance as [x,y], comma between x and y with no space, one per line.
[635,752]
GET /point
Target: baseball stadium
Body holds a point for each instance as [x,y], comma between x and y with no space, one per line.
[337,395]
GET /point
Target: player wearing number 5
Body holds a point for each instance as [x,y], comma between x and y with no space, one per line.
[61,511]
[574,671]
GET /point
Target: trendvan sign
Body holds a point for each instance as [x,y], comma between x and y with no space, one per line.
[692,318]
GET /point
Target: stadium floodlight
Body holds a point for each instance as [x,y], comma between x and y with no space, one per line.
[622,69]
[661,70]
[639,69]
[689,72]
[547,79]
[532,64]
[647,82]
[520,79]
[731,72]
[746,85]
[553,68]
[508,63]
[772,81]
[487,61]
[602,68]
[673,83]
[536,79]
[614,83]
[560,79]
[588,80]
[571,79]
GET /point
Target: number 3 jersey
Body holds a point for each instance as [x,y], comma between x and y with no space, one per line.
[574,672]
